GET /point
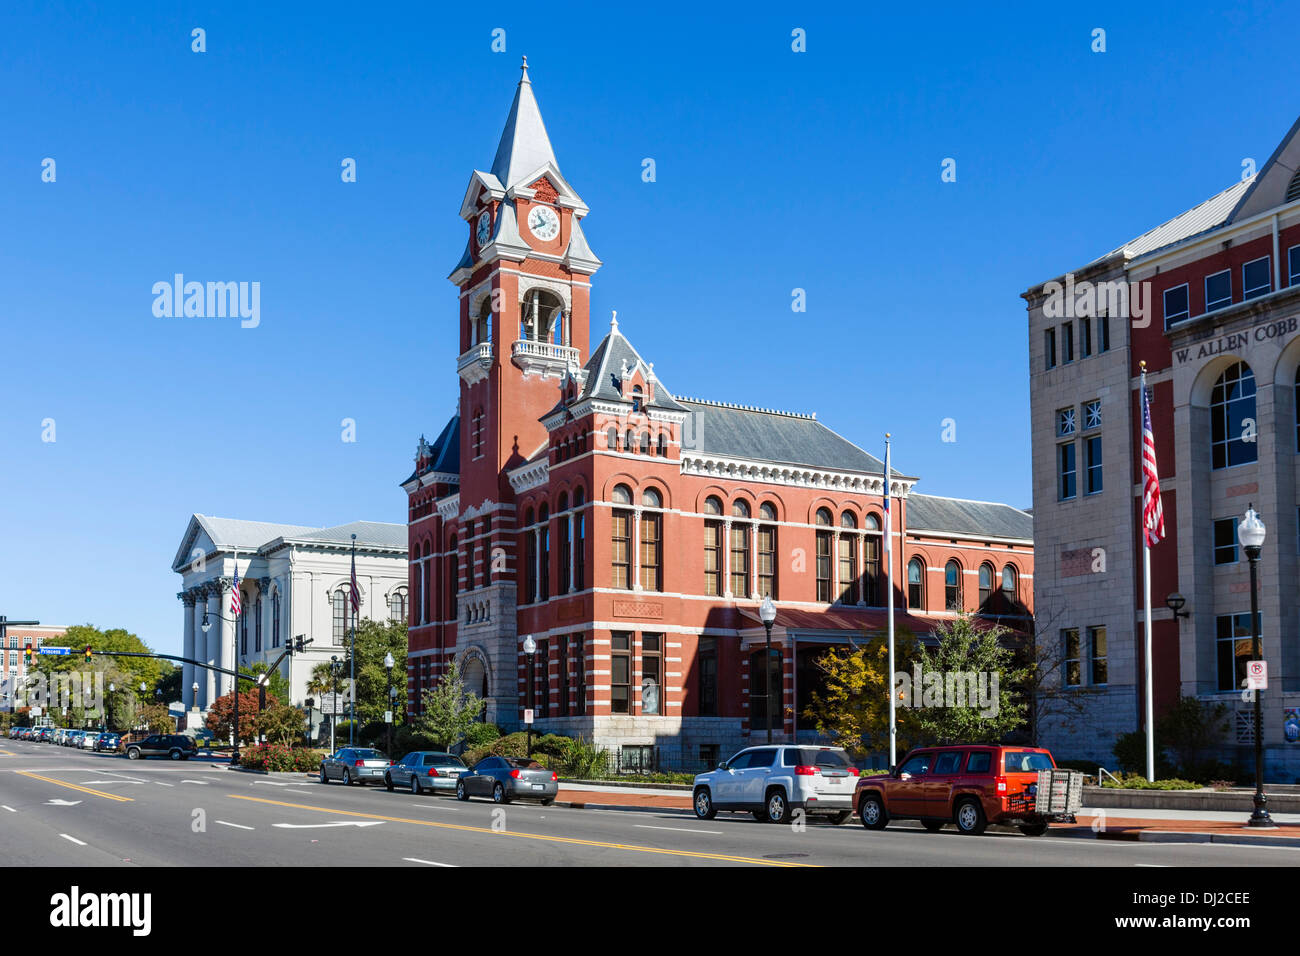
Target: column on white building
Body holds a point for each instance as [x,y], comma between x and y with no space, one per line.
[209,607]
[187,669]
[228,629]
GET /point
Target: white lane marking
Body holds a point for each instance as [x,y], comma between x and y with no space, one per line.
[87,783]
[56,802]
[1161,866]
[10,809]
[161,784]
[432,806]
[73,839]
[271,783]
[321,826]
[237,826]
[308,792]
[646,826]
[201,783]
[414,859]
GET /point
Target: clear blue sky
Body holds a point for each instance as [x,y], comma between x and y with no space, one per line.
[775,170]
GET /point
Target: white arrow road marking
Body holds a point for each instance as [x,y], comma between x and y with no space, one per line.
[412,859]
[62,803]
[201,783]
[237,826]
[73,839]
[318,826]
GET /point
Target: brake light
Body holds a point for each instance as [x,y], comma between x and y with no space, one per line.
[360,762]
[805,771]
[854,772]
[1002,784]
[515,773]
[554,775]
[433,771]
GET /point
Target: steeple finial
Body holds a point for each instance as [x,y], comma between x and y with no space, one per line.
[613,321]
[524,68]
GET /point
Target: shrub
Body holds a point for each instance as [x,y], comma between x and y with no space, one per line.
[480,735]
[277,758]
[405,740]
[1135,781]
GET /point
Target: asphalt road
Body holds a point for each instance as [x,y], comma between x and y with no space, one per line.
[62,807]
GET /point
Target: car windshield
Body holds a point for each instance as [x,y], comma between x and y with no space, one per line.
[1024,761]
[368,754]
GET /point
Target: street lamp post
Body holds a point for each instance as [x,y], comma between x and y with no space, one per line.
[767,614]
[112,687]
[530,648]
[336,668]
[388,668]
[1251,532]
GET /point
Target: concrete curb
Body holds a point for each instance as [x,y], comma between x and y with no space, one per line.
[641,808]
[1239,839]
[684,787]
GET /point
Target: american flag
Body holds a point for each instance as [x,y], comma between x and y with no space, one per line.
[234,595]
[888,543]
[356,592]
[1153,516]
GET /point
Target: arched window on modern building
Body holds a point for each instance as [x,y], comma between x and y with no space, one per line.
[652,524]
[740,554]
[713,545]
[621,538]
[767,550]
[823,555]
[1232,418]
[952,586]
[916,584]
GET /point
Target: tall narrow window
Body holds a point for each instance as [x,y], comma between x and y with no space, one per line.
[544,553]
[740,548]
[621,540]
[487,550]
[986,586]
[707,661]
[1256,278]
[1232,418]
[1092,483]
[1070,656]
[848,559]
[636,399]
[1067,343]
[871,562]
[651,542]
[611,438]
[579,540]
[541,674]
[566,547]
[243,632]
[340,608]
[621,673]
[651,674]
[712,548]
[952,586]
[1176,305]
[1049,347]
[1010,597]
[767,552]
[562,660]
[1065,471]
[1085,337]
[823,556]
[580,668]
[530,558]
[471,565]
[1103,327]
[915,584]
[275,617]
[257,625]
[453,581]
[1097,655]
[1234,644]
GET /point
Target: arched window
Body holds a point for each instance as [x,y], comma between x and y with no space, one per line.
[645,443]
[453,580]
[740,548]
[986,586]
[767,551]
[712,547]
[257,625]
[471,560]
[848,559]
[651,541]
[544,552]
[1232,418]
[915,584]
[481,327]
[629,441]
[397,605]
[579,539]
[530,557]
[871,562]
[566,545]
[621,539]
[542,317]
[663,445]
[651,498]
[342,615]
[823,556]
[636,399]
[611,438]
[952,586]
[275,618]
[417,567]
[1009,596]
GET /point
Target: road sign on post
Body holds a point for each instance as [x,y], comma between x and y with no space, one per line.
[1257,675]
[528,717]
[57,651]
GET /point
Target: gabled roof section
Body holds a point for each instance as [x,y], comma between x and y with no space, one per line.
[979,519]
[612,361]
[443,455]
[524,144]
[480,181]
[227,534]
[1272,183]
[738,431]
[371,534]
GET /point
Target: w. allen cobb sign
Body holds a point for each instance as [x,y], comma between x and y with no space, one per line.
[1235,341]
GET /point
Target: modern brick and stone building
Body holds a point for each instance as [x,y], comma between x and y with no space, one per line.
[632,532]
[1210,301]
[14,639]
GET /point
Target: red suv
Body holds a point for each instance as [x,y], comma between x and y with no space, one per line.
[970,785]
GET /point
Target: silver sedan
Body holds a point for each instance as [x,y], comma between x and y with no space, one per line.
[508,778]
[354,765]
[425,770]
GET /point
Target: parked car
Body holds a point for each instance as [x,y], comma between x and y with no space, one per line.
[772,782]
[354,765]
[173,746]
[107,741]
[45,735]
[70,737]
[508,778]
[969,786]
[425,769]
[87,740]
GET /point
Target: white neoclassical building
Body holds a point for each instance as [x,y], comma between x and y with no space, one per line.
[293,581]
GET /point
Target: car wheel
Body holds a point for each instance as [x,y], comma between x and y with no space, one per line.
[174,754]
[872,811]
[702,801]
[499,794]
[1034,829]
[388,783]
[323,777]
[969,817]
[778,808]
[841,817]
[415,785]
[932,826]
[547,801]
[347,779]
[461,793]
[133,754]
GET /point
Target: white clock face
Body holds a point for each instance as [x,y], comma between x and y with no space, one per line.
[544,223]
[484,228]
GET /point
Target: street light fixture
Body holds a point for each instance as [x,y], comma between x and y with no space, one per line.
[767,614]
[530,648]
[1251,533]
[392,693]
[1176,602]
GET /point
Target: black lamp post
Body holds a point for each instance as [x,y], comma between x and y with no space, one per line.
[530,648]
[388,668]
[336,671]
[1251,534]
[767,614]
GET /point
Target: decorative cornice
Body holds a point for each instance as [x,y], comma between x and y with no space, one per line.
[530,476]
[449,506]
[474,364]
[187,597]
[802,476]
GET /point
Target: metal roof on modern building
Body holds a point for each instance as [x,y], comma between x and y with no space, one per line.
[979,519]
[1203,218]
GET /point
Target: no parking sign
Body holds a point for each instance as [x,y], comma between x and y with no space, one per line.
[1257,675]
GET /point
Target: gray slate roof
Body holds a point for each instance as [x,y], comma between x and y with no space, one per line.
[977,518]
[604,368]
[740,432]
[375,534]
[524,145]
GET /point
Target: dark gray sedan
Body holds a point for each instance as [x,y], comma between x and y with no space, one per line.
[354,765]
[425,770]
[508,778]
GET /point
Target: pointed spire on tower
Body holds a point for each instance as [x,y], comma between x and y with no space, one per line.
[524,145]
[613,321]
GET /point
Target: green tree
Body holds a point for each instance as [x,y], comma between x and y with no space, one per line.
[967,646]
[853,705]
[221,716]
[449,709]
[280,723]
[374,640]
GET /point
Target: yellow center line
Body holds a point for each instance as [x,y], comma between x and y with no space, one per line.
[7,753]
[73,786]
[528,836]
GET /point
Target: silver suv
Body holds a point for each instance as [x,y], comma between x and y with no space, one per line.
[772,782]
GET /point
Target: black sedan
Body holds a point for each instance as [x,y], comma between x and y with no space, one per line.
[508,778]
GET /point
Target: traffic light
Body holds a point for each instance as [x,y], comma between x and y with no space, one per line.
[88,653]
[27,657]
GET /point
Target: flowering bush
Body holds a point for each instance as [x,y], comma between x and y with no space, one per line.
[277,758]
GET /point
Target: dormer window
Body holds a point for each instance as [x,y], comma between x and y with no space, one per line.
[636,399]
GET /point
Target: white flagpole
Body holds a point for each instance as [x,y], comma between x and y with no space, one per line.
[1146,607]
[889,587]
